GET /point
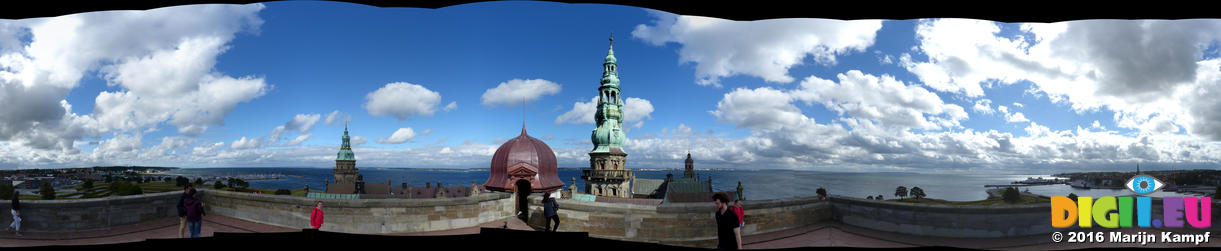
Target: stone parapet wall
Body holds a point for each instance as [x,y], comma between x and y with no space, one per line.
[685,224]
[963,221]
[92,214]
[366,216]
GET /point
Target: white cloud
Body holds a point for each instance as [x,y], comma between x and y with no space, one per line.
[298,140]
[766,49]
[881,99]
[125,145]
[761,108]
[1019,105]
[1016,118]
[170,145]
[516,91]
[1146,71]
[174,47]
[301,123]
[358,140]
[402,135]
[245,143]
[581,113]
[451,106]
[634,110]
[402,100]
[983,106]
[335,116]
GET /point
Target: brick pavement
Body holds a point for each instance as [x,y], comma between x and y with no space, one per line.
[826,234]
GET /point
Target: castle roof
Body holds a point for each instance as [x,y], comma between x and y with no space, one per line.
[524,158]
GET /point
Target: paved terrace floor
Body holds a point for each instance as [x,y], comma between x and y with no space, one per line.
[828,234]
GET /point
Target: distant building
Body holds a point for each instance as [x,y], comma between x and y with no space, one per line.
[345,162]
[347,177]
[429,191]
[608,174]
[689,168]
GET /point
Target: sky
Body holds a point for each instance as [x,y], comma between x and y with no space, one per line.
[275,84]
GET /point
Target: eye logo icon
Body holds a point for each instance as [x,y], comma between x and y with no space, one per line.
[1144,184]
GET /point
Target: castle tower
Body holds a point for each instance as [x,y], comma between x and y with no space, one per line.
[689,171]
[345,162]
[607,174]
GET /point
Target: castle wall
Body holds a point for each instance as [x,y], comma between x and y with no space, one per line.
[369,216]
[944,220]
[685,224]
[92,214]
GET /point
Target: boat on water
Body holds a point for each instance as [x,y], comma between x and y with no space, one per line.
[1079,184]
[1038,181]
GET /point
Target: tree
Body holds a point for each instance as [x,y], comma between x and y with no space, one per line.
[901,191]
[869,197]
[1012,195]
[238,183]
[283,192]
[125,188]
[88,184]
[167,179]
[181,181]
[6,191]
[47,192]
[917,192]
[109,179]
[198,182]
[218,185]
[879,197]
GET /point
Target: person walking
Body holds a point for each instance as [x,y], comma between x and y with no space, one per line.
[729,235]
[195,212]
[16,210]
[182,211]
[315,218]
[549,211]
[737,209]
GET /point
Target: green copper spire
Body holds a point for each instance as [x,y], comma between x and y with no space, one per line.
[609,133]
[345,150]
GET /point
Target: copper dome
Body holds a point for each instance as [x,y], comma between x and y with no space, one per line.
[524,158]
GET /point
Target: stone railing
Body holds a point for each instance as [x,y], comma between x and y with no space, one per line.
[685,224]
[366,216]
[92,214]
[963,221]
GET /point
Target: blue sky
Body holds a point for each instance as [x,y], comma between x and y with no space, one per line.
[217,89]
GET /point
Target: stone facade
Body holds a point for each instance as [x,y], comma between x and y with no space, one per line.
[607,176]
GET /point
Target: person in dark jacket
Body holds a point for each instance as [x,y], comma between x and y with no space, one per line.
[182,211]
[549,211]
[16,210]
[728,227]
[195,212]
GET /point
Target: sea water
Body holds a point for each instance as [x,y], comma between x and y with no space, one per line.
[756,184]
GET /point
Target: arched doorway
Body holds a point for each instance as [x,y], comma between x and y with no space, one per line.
[522,186]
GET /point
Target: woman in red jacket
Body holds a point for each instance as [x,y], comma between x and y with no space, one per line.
[315,218]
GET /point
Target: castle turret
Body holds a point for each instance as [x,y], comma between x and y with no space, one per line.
[345,162]
[607,174]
